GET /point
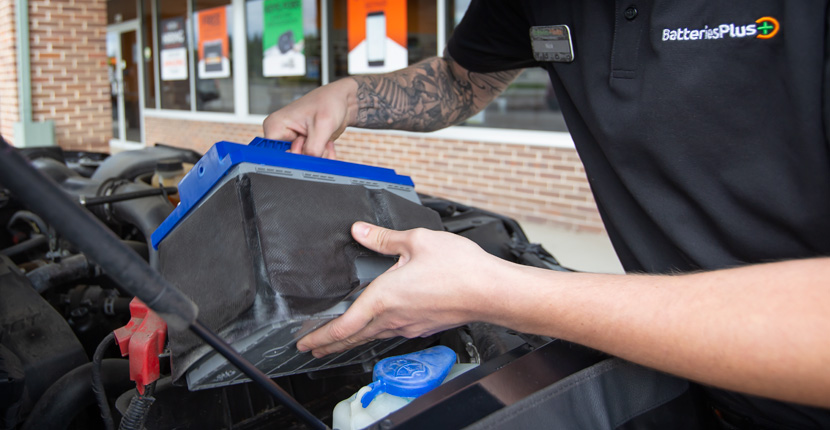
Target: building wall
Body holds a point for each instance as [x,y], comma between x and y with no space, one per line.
[8,71]
[530,183]
[70,84]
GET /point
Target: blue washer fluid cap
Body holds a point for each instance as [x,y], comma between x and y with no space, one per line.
[410,375]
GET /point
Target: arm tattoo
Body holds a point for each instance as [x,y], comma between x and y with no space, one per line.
[427,96]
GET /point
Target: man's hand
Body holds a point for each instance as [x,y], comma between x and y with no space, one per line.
[758,329]
[440,281]
[427,96]
[316,120]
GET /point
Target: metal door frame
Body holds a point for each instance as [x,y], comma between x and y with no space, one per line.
[119,29]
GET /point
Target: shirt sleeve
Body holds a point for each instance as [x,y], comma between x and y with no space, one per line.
[493,36]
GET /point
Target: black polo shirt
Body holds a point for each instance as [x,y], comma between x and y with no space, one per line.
[702,127]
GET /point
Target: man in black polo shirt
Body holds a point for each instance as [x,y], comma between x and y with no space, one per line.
[704,134]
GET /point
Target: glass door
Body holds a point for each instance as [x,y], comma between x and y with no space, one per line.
[123,56]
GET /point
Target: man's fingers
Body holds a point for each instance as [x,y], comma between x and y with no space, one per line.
[320,133]
[297,145]
[379,239]
[337,330]
[341,346]
[275,129]
[373,331]
[329,152]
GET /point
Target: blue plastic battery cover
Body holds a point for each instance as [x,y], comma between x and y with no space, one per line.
[410,375]
[224,156]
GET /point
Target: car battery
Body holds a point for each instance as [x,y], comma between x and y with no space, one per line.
[261,242]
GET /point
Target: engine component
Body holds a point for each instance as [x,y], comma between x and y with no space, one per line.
[58,171]
[143,340]
[278,260]
[68,269]
[91,311]
[130,165]
[35,241]
[34,335]
[118,200]
[145,213]
[396,381]
[168,175]
[127,196]
[12,386]
[137,411]
[72,393]
[98,387]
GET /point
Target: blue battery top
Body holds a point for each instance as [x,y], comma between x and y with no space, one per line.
[410,375]
[223,156]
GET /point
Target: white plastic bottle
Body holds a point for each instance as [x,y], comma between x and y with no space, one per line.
[397,381]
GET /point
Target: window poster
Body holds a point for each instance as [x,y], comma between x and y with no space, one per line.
[377,36]
[282,38]
[213,44]
[173,50]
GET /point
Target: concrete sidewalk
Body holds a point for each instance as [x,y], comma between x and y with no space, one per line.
[587,252]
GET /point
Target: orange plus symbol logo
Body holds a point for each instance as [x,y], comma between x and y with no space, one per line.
[767,27]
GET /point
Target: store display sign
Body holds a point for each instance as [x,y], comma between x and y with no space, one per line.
[377,36]
[282,38]
[173,50]
[213,44]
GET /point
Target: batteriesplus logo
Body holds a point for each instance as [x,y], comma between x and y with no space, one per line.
[763,28]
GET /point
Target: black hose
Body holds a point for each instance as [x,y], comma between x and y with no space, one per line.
[55,169]
[69,269]
[72,393]
[137,412]
[98,383]
[33,242]
[31,218]
[92,201]
[120,306]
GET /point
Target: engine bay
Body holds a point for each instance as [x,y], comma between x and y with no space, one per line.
[59,308]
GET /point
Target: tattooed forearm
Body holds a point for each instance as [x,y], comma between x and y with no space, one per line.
[427,96]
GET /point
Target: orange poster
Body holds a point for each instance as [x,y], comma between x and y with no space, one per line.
[377,36]
[213,44]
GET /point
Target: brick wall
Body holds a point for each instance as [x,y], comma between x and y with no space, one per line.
[196,135]
[8,71]
[70,84]
[530,183]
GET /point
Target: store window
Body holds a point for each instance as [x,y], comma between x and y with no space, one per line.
[529,103]
[283,52]
[378,37]
[212,37]
[174,63]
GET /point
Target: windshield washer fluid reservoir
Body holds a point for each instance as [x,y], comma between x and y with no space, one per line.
[396,382]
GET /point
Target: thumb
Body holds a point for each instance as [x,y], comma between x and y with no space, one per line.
[379,239]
